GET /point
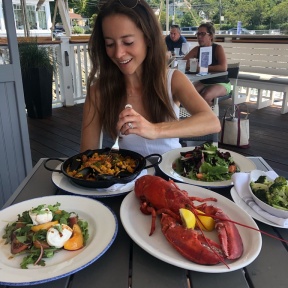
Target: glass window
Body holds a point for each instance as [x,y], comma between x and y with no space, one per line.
[31,16]
[18,17]
[42,18]
[4,50]
[1,16]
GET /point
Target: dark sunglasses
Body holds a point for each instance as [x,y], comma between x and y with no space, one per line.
[129,3]
[201,34]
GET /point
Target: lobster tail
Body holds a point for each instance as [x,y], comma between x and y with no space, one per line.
[190,243]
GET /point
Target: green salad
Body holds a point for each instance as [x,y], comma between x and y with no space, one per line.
[44,230]
[205,163]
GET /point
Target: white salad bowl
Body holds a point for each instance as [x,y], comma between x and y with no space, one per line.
[254,175]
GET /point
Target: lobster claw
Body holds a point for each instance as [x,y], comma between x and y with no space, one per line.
[190,243]
[229,237]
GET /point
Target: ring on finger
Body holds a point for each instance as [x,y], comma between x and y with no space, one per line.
[130,125]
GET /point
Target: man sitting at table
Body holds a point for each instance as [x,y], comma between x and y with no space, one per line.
[175,39]
[213,87]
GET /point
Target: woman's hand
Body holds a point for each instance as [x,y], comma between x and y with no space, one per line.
[131,122]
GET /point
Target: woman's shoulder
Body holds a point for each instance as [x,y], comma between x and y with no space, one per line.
[218,49]
[178,78]
[217,46]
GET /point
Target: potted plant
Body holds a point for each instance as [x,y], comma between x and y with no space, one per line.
[37,75]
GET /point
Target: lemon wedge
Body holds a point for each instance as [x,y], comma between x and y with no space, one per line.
[188,218]
[208,223]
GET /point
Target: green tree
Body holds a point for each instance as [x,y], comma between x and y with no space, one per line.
[254,14]
[188,20]
[279,13]
[84,7]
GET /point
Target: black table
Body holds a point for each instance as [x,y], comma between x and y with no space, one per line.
[193,77]
[127,265]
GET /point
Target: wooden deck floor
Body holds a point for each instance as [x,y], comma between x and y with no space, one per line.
[59,135]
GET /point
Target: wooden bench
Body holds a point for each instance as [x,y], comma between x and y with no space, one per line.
[262,66]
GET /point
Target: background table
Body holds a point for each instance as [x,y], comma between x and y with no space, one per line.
[193,77]
[127,265]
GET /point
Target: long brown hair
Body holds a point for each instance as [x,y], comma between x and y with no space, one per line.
[110,80]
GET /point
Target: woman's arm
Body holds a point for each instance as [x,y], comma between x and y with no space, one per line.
[203,121]
[91,125]
[191,54]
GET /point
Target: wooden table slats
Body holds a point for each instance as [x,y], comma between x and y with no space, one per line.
[165,275]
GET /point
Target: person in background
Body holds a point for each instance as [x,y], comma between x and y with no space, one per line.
[213,87]
[129,66]
[175,39]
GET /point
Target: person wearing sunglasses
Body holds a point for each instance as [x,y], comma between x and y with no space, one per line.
[129,66]
[213,87]
[175,39]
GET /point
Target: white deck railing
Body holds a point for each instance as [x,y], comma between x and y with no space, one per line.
[72,67]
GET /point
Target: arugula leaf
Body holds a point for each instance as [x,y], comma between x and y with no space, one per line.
[30,259]
[55,207]
[213,170]
[34,255]
[208,147]
[62,216]
[8,232]
[25,217]
[38,209]
[84,228]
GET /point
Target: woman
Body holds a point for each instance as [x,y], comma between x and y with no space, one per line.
[129,65]
[213,87]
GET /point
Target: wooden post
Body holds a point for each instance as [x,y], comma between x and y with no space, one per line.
[65,71]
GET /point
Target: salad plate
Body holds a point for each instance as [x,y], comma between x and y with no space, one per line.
[244,164]
[137,225]
[65,184]
[102,227]
[237,199]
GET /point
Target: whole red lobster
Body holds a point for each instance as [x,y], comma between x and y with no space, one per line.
[161,197]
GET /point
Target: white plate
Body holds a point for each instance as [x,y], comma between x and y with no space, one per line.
[64,183]
[137,225]
[103,227]
[237,199]
[168,158]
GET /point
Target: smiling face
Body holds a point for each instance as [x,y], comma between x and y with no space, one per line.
[204,38]
[125,43]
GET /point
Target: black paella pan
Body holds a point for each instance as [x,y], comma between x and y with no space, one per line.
[102,180]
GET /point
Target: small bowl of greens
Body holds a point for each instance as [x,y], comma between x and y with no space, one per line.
[270,194]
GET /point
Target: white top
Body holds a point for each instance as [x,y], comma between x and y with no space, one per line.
[160,146]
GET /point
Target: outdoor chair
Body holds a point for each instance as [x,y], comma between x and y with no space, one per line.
[233,71]
[196,141]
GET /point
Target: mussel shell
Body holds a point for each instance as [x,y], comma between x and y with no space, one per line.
[123,174]
[87,173]
[75,164]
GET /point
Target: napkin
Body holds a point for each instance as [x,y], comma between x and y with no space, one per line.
[241,181]
[127,187]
